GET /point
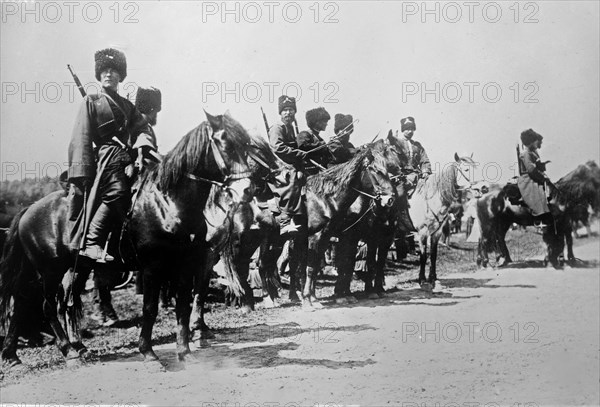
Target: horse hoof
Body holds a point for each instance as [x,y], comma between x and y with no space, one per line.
[438,287]
[381,294]
[373,296]
[80,348]
[245,310]
[185,355]
[317,305]
[154,366]
[425,286]
[12,363]
[352,299]
[74,362]
[341,301]
[207,334]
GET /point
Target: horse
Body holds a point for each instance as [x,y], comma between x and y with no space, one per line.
[330,195]
[430,211]
[239,235]
[498,210]
[166,229]
[376,225]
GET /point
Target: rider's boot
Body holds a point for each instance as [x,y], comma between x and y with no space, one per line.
[97,235]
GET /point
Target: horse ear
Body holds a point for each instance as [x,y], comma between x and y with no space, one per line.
[456,157]
[216,122]
[471,155]
[390,134]
[227,113]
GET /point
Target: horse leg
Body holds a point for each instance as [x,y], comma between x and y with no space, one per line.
[74,311]
[422,258]
[371,267]
[270,249]
[183,311]
[152,283]
[9,350]
[201,285]
[50,313]
[384,247]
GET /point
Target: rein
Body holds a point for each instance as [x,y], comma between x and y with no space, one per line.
[360,218]
[374,183]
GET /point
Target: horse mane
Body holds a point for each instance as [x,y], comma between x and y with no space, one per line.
[192,151]
[582,185]
[335,179]
[184,157]
[443,182]
[389,156]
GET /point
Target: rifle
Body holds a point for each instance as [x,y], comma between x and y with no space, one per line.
[519,160]
[265,120]
[341,134]
[77,81]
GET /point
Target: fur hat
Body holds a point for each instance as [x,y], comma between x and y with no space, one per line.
[408,123]
[111,58]
[343,121]
[148,100]
[529,136]
[315,115]
[286,101]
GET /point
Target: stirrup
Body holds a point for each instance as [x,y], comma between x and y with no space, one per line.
[96,253]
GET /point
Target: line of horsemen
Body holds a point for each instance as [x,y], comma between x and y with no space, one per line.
[113,139]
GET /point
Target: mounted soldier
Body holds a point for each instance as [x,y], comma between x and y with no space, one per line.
[418,165]
[116,128]
[317,160]
[282,137]
[533,178]
[340,147]
[149,102]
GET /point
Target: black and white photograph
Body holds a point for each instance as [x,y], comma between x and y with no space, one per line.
[299,203]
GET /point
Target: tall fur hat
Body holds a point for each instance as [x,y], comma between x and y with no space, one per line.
[342,121]
[408,123]
[148,100]
[529,136]
[315,115]
[286,101]
[111,58]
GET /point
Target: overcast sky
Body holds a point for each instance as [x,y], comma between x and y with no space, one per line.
[473,79]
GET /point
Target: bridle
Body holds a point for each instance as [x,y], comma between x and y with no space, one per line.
[378,191]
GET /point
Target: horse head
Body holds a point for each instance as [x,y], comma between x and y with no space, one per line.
[379,178]
[464,177]
[229,143]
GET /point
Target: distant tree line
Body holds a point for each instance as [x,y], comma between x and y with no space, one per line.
[27,191]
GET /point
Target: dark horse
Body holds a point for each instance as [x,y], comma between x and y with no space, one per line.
[167,230]
[375,224]
[330,196]
[498,210]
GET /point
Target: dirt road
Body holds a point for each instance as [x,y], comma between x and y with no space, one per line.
[512,336]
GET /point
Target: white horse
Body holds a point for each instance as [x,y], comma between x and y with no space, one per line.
[430,210]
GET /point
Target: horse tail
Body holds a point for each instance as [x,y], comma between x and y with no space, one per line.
[12,263]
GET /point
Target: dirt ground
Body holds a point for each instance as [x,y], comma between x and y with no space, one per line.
[517,336]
